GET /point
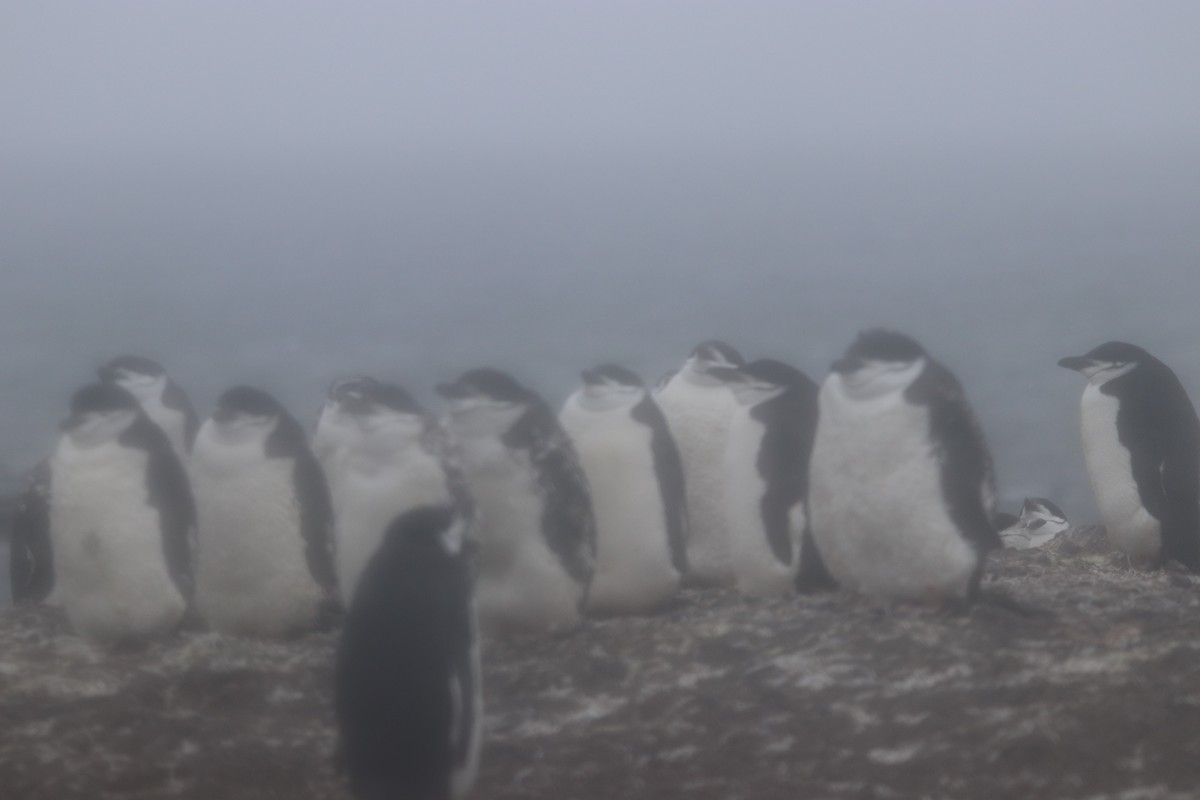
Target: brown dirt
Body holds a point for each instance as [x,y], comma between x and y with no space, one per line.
[1095,696]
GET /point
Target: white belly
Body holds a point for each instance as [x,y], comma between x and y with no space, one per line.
[876,505]
[252,576]
[1130,526]
[521,584]
[633,570]
[370,497]
[110,573]
[699,417]
[757,569]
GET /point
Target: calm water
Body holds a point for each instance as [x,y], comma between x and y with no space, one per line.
[288,275]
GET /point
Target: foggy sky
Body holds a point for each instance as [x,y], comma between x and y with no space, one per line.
[306,79]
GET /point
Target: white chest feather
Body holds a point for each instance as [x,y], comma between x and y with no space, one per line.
[111,575]
[371,494]
[633,569]
[521,583]
[1129,525]
[699,417]
[876,504]
[252,573]
[758,570]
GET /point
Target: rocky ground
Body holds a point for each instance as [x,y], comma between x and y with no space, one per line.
[1093,693]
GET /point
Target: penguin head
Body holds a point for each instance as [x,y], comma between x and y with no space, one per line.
[879,363]
[425,534]
[246,414]
[485,402]
[609,387]
[143,378]
[384,412]
[1040,521]
[1107,362]
[100,412]
[1041,515]
[710,355]
[335,426]
[760,380]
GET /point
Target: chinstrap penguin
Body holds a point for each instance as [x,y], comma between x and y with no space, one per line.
[1141,443]
[1040,521]
[162,399]
[393,457]
[637,486]
[900,485]
[265,559]
[766,474]
[699,409]
[537,530]
[407,685]
[121,517]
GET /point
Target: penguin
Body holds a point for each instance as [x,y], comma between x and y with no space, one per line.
[1040,521]
[264,544]
[31,559]
[537,529]
[766,473]
[699,409]
[636,478]
[336,429]
[1141,443]
[120,515]
[394,457]
[408,698]
[901,489]
[31,565]
[162,399]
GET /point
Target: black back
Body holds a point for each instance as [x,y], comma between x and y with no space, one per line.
[668,468]
[568,519]
[31,555]
[170,492]
[966,464]
[1157,423]
[407,638]
[790,422]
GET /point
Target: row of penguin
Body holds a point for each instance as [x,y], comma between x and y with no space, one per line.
[727,473]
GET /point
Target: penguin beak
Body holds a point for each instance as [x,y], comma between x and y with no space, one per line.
[107,375]
[1077,363]
[70,423]
[590,378]
[844,366]
[223,415]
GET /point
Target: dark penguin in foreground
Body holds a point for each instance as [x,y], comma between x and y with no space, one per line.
[901,488]
[407,686]
[160,397]
[121,515]
[537,529]
[1141,442]
[637,486]
[265,541]
[766,474]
